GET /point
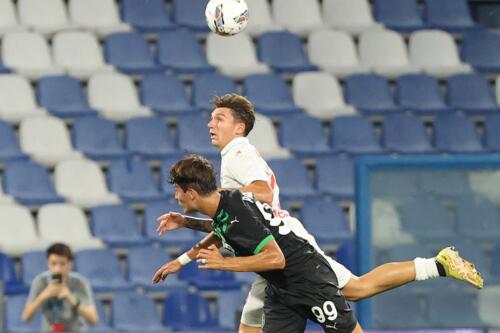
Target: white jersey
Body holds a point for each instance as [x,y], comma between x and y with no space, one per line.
[241,164]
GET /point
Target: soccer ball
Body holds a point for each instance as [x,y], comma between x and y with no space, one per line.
[227,17]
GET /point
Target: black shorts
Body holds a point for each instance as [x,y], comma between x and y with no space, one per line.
[317,298]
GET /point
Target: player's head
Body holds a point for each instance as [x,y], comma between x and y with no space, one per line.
[59,259]
[233,116]
[193,177]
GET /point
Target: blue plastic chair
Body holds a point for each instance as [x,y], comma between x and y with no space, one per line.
[149,16]
[400,15]
[29,183]
[12,284]
[9,147]
[13,323]
[481,49]
[478,219]
[405,134]
[229,305]
[135,312]
[453,308]
[449,15]
[190,14]
[492,135]
[304,136]
[194,137]
[103,324]
[392,310]
[205,279]
[472,94]
[292,179]
[149,138]
[335,177]
[208,85]
[456,134]
[32,264]
[283,52]
[363,142]
[129,52]
[63,96]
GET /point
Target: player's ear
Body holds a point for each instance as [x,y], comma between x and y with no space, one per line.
[240,128]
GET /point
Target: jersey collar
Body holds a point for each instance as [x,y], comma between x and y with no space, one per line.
[233,143]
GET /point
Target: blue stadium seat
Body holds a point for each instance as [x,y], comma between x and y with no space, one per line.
[133,180]
[148,16]
[185,311]
[478,219]
[283,52]
[130,53]
[472,94]
[132,311]
[29,183]
[190,14]
[11,282]
[407,252]
[98,138]
[492,135]
[165,94]
[343,140]
[143,262]
[495,265]
[456,134]
[420,216]
[326,221]
[194,137]
[181,52]
[105,274]
[32,264]
[481,49]
[103,324]
[229,305]
[292,179]
[405,134]
[370,94]
[13,308]
[400,15]
[117,226]
[303,135]
[149,138]
[63,96]
[450,184]
[449,15]
[3,68]
[205,279]
[453,308]
[270,95]
[335,177]
[208,85]
[392,310]
[9,147]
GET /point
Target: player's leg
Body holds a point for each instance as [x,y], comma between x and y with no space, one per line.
[280,317]
[253,310]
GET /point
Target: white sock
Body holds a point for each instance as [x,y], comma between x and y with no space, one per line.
[425,268]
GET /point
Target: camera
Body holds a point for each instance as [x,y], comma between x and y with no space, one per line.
[57,277]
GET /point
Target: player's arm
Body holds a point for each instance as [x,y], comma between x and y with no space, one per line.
[173,220]
[261,191]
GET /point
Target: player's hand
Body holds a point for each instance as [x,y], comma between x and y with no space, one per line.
[210,258]
[170,221]
[169,268]
[52,290]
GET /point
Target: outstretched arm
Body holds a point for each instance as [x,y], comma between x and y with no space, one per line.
[260,189]
[173,220]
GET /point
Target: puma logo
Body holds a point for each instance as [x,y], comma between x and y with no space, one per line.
[234,221]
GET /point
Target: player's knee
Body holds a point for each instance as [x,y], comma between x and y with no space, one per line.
[249,329]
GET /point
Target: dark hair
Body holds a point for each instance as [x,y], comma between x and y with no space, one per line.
[242,109]
[195,172]
[60,249]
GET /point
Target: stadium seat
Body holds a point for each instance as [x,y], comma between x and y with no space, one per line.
[17,99]
[421,94]
[12,284]
[28,53]
[435,52]
[400,15]
[79,53]
[208,85]
[270,94]
[99,16]
[149,16]
[105,274]
[408,251]
[63,96]
[290,168]
[335,177]
[43,16]
[14,305]
[305,136]
[194,137]
[190,14]
[454,308]
[298,16]
[165,95]
[405,134]
[133,181]
[489,306]
[117,226]
[229,306]
[353,16]
[235,56]
[450,15]
[450,184]
[283,52]
[46,140]
[265,138]
[212,280]
[32,264]
[385,52]
[262,20]
[180,51]
[66,223]
[481,49]
[478,219]
[472,94]
[456,134]
[495,256]
[114,96]
[342,140]
[8,17]
[334,52]
[9,147]
[97,138]
[143,261]
[320,94]
[395,187]
[388,230]
[392,310]
[103,324]
[492,134]
[17,220]
[149,138]
[370,94]
[133,311]
[29,183]
[88,189]
[129,52]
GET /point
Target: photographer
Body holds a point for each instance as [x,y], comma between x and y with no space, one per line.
[65,297]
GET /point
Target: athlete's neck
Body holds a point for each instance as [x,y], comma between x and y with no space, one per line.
[209,204]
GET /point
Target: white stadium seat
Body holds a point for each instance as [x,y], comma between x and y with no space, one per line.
[100,16]
[17,99]
[264,137]
[44,16]
[8,17]
[262,20]
[298,16]
[353,16]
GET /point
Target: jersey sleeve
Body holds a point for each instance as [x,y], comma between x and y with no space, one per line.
[249,234]
[247,167]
